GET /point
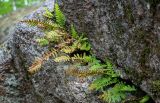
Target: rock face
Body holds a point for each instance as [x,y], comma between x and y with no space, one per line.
[7,22]
[51,85]
[125,31]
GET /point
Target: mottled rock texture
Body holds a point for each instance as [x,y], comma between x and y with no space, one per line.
[50,85]
[125,31]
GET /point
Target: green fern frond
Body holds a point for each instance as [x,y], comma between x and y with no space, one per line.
[112,97]
[48,14]
[144,99]
[97,66]
[73,32]
[110,69]
[53,36]
[85,46]
[62,59]
[60,18]
[42,41]
[83,58]
[102,82]
[117,93]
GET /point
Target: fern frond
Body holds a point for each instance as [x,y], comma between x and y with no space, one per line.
[110,69]
[84,73]
[62,33]
[62,59]
[97,66]
[42,24]
[35,66]
[144,99]
[73,32]
[60,18]
[116,93]
[42,41]
[48,54]
[53,36]
[82,58]
[85,46]
[68,49]
[48,14]
[38,62]
[102,82]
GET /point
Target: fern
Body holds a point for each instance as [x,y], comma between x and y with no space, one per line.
[42,41]
[53,36]
[73,32]
[110,69]
[60,18]
[48,14]
[144,99]
[38,62]
[117,93]
[62,59]
[83,58]
[102,82]
[85,46]
[65,48]
[97,66]
[35,66]
[50,53]
[68,49]
[41,24]
[84,73]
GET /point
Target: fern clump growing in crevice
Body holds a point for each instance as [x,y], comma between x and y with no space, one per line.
[74,48]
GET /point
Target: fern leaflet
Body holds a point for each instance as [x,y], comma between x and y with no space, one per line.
[62,59]
[48,14]
[42,41]
[73,32]
[60,18]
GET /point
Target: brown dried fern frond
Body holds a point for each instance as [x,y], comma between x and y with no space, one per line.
[50,53]
[64,43]
[42,24]
[38,62]
[73,71]
[35,66]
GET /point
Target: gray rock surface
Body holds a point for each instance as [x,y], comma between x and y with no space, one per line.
[125,31]
[50,85]
[8,21]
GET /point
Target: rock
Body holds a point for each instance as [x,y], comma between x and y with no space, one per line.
[126,32]
[8,21]
[50,85]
